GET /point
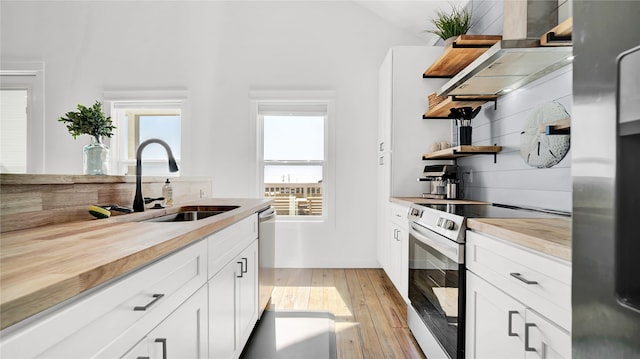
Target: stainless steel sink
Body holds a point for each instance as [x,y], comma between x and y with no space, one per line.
[192,213]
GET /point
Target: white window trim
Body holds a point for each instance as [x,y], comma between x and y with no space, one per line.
[35,108]
[327,98]
[143,99]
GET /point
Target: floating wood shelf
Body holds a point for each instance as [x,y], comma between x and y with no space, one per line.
[463,151]
[442,110]
[560,127]
[461,53]
[559,35]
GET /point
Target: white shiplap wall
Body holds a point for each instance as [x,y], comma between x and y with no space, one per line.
[511,180]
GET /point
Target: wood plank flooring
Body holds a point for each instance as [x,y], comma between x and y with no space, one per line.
[370,315]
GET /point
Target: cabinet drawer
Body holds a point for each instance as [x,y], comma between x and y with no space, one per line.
[540,281]
[399,214]
[225,244]
[110,320]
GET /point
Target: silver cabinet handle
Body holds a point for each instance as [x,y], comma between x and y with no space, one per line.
[241,269]
[246,265]
[526,337]
[156,297]
[519,277]
[143,358]
[164,346]
[510,332]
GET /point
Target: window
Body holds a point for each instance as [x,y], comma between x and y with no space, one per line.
[140,120]
[13,130]
[294,153]
[21,117]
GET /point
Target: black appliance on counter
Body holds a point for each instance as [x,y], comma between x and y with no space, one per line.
[443,181]
[436,312]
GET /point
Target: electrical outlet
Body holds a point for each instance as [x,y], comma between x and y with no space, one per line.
[469,176]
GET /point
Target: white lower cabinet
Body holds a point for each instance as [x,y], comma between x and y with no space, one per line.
[181,335]
[399,249]
[394,249]
[233,304]
[508,288]
[198,302]
[495,322]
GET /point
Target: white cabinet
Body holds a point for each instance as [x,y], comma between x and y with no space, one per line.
[495,324]
[247,292]
[109,321]
[233,289]
[165,309]
[398,248]
[402,133]
[518,301]
[233,306]
[403,136]
[181,335]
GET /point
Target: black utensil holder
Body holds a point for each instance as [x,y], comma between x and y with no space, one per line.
[464,135]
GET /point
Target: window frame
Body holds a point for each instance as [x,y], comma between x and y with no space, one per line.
[297,104]
[147,101]
[29,76]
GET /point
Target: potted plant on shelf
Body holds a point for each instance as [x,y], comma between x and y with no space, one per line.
[91,121]
[448,26]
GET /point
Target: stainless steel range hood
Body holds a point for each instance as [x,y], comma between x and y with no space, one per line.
[506,66]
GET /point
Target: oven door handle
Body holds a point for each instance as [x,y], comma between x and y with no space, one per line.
[449,248]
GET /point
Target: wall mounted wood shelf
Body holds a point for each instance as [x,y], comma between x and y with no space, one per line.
[442,110]
[559,35]
[461,53]
[560,127]
[463,151]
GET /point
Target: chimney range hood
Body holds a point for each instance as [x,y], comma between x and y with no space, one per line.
[506,66]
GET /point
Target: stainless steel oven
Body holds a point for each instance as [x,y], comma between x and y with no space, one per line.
[436,289]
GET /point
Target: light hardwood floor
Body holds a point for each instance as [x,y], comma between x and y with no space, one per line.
[370,315]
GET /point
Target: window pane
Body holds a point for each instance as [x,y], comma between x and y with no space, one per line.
[293,138]
[292,174]
[296,190]
[166,128]
[13,130]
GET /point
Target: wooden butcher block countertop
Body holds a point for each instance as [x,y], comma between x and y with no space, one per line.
[44,266]
[551,236]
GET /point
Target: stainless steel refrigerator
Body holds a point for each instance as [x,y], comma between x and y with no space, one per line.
[605,136]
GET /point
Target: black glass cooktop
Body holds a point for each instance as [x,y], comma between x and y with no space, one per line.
[495,211]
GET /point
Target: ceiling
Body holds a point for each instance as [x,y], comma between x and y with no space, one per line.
[411,15]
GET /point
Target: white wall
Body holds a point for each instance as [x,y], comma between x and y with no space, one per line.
[511,180]
[219,51]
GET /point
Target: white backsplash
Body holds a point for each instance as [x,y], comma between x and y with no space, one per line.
[510,180]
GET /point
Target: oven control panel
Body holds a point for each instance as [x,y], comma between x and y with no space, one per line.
[446,223]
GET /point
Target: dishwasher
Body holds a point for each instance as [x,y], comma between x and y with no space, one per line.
[266,256]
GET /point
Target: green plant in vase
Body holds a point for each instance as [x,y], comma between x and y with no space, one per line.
[91,121]
[450,25]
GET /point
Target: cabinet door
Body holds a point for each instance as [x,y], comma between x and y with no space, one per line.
[494,324]
[545,339]
[140,351]
[395,252]
[184,333]
[247,292]
[385,98]
[222,312]
[382,198]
